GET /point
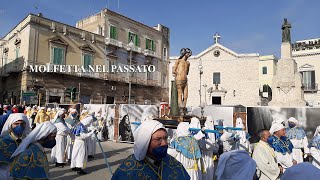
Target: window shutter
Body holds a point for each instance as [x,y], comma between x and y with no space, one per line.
[115,32]
[136,40]
[152,45]
[147,43]
[129,37]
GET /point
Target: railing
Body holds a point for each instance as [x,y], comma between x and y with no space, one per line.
[113,42]
[310,87]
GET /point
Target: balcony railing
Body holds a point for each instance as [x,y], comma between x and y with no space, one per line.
[310,87]
[113,42]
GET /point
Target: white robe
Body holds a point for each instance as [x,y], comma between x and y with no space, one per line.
[315,153]
[58,153]
[297,146]
[284,160]
[188,164]
[243,143]
[91,142]
[207,148]
[80,151]
[267,167]
[70,142]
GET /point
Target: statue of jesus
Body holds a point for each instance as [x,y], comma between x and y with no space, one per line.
[180,71]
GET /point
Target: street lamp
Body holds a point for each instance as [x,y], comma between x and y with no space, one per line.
[200,74]
[202,105]
[130,48]
[205,93]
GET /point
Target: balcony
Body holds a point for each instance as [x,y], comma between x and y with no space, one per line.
[310,87]
[148,52]
[114,42]
[15,66]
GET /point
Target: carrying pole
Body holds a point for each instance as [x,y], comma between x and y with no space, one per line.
[103,153]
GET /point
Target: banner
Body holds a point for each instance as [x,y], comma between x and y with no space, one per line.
[105,114]
[262,117]
[132,113]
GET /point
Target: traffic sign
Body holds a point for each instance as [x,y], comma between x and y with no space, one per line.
[30,93]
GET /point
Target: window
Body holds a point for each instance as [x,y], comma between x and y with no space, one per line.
[265,88]
[113,32]
[87,60]
[265,70]
[110,100]
[17,52]
[134,38]
[308,80]
[149,44]
[57,55]
[165,53]
[216,100]
[216,78]
[5,58]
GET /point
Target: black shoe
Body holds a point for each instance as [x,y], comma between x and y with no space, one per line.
[75,169]
[80,171]
[90,157]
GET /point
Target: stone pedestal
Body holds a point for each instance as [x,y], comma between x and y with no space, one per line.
[287,83]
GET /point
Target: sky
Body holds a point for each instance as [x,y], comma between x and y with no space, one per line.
[246,26]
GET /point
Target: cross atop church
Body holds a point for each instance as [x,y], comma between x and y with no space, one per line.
[216,38]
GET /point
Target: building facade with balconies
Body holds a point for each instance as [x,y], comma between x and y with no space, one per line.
[97,40]
[307,55]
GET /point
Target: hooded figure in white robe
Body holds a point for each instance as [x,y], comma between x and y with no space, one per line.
[186,150]
[30,159]
[59,152]
[314,146]
[150,159]
[298,138]
[243,143]
[9,141]
[235,165]
[80,149]
[91,142]
[71,122]
[208,149]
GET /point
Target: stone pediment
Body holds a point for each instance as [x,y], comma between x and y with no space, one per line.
[87,48]
[112,55]
[17,41]
[58,40]
[217,51]
[306,67]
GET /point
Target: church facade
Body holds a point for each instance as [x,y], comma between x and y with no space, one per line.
[220,76]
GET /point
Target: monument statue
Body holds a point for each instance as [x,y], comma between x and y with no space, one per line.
[286,37]
[180,71]
[287,82]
